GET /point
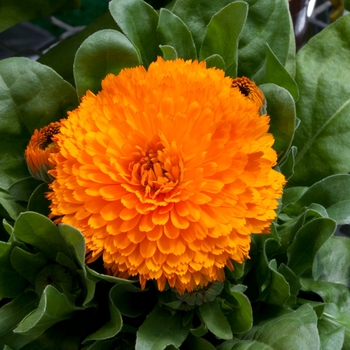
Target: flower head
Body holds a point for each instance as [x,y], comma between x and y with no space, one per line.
[166,172]
[38,151]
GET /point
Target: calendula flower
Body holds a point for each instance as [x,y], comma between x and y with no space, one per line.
[166,172]
[38,151]
[250,90]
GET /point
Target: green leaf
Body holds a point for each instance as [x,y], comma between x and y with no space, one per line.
[222,35]
[293,331]
[269,23]
[31,96]
[169,53]
[28,265]
[332,261]
[328,192]
[53,307]
[197,14]
[41,233]
[14,311]
[160,329]
[331,339]
[10,204]
[287,165]
[13,12]
[11,283]
[333,319]
[324,105]
[130,300]
[138,21]
[197,343]
[292,194]
[215,61]
[281,108]
[23,189]
[307,242]
[274,72]
[215,320]
[111,328]
[38,201]
[106,51]
[61,56]
[172,31]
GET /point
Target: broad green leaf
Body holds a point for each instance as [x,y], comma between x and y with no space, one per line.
[340,212]
[41,233]
[331,339]
[293,331]
[292,194]
[15,310]
[28,265]
[130,300]
[244,345]
[138,21]
[169,53]
[215,320]
[10,204]
[172,31]
[324,105]
[274,72]
[330,292]
[287,165]
[22,189]
[277,291]
[197,343]
[281,108]
[269,23]
[332,261]
[333,319]
[38,201]
[31,96]
[61,56]
[328,192]
[215,61]
[223,33]
[106,51]
[197,14]
[53,307]
[111,328]
[13,12]
[307,242]
[11,283]
[160,329]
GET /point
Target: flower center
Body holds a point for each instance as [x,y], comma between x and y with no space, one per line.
[157,167]
[47,133]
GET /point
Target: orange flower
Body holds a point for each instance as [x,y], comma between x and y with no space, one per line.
[166,172]
[250,90]
[38,151]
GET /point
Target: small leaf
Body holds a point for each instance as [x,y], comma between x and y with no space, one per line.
[215,61]
[169,53]
[287,165]
[111,328]
[281,108]
[23,189]
[215,320]
[106,51]
[138,21]
[10,204]
[160,329]
[130,300]
[41,233]
[197,343]
[222,35]
[172,31]
[308,241]
[276,73]
[196,14]
[38,201]
[28,265]
[11,283]
[53,307]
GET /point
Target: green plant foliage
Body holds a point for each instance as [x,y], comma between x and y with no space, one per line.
[323,106]
[13,12]
[293,292]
